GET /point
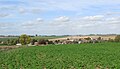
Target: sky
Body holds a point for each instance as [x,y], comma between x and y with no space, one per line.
[59,17]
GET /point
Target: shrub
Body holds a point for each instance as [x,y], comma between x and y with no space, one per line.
[50,42]
[117,38]
[43,41]
[33,41]
[110,40]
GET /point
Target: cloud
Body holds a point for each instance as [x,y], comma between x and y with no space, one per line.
[113,13]
[62,19]
[113,20]
[33,23]
[59,21]
[65,25]
[2,15]
[11,2]
[36,10]
[5,25]
[85,22]
[7,8]
[93,18]
[39,20]
[33,10]
[2,25]
[22,10]
[73,5]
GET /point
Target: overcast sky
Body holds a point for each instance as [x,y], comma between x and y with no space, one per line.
[59,17]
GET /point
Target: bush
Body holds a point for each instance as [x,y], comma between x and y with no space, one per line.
[5,43]
[42,41]
[14,42]
[33,41]
[87,38]
[110,40]
[11,42]
[117,38]
[50,42]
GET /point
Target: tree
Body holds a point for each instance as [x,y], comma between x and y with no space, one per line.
[50,42]
[117,38]
[14,41]
[33,41]
[43,41]
[110,40]
[36,35]
[8,42]
[24,39]
[99,38]
[88,38]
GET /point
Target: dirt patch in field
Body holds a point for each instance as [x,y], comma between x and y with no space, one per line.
[2,48]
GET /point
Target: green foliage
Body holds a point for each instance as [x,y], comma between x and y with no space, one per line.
[24,39]
[110,40]
[33,41]
[87,38]
[117,38]
[5,43]
[42,41]
[14,40]
[10,42]
[74,56]
[99,38]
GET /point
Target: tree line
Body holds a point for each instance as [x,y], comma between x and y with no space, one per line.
[25,39]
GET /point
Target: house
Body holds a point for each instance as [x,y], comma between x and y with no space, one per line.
[19,44]
[36,43]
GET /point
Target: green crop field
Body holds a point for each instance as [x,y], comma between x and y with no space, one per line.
[46,37]
[37,38]
[75,56]
[5,39]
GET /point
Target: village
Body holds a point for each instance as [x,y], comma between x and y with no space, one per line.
[62,40]
[74,40]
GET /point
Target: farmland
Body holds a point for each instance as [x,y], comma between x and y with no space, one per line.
[74,56]
[37,38]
